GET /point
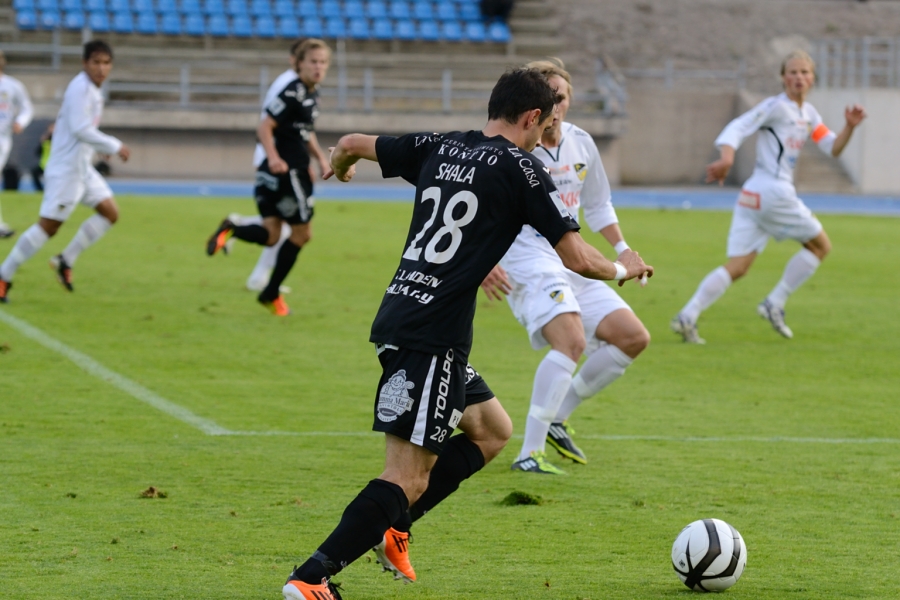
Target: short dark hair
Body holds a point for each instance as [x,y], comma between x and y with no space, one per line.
[96,47]
[518,91]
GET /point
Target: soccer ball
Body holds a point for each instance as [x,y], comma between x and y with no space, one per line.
[709,555]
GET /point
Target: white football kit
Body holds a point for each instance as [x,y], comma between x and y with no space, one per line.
[542,286]
[768,205]
[15,107]
[70,177]
[281,82]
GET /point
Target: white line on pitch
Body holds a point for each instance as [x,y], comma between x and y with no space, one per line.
[91,366]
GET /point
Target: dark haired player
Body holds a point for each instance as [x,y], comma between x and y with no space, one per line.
[70,178]
[283,184]
[474,192]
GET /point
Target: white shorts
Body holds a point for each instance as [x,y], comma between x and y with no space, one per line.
[5,147]
[769,209]
[63,194]
[537,298]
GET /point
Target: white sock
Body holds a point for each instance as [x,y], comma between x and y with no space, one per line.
[551,380]
[28,243]
[93,228]
[710,289]
[267,258]
[241,220]
[606,364]
[800,268]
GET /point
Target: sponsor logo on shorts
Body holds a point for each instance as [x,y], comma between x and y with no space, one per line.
[393,399]
[266,180]
[443,386]
[471,373]
[288,206]
[557,296]
[455,416]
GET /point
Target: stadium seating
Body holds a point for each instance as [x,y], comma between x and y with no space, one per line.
[376,9]
[217,25]
[353,9]
[264,27]
[423,11]
[475,32]
[49,19]
[287,27]
[122,22]
[335,28]
[383,29]
[48,5]
[146,23]
[119,6]
[237,7]
[405,30]
[399,10]
[171,23]
[194,24]
[190,7]
[74,20]
[499,32]
[451,31]
[139,6]
[240,26]
[359,29]
[429,31]
[26,5]
[214,8]
[330,9]
[166,6]
[261,8]
[312,27]
[72,6]
[99,21]
[306,8]
[26,20]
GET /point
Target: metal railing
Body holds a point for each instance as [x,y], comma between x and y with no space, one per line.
[671,75]
[865,62]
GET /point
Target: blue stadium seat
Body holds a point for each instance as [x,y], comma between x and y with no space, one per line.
[358,29]
[422,11]
[236,7]
[499,32]
[95,5]
[354,9]
[405,30]
[287,27]
[142,6]
[72,5]
[23,5]
[146,23]
[214,7]
[194,24]
[99,21]
[399,10]
[122,22]
[171,23]
[264,27]
[451,31]
[376,9]
[49,19]
[48,5]
[470,12]
[217,25]
[305,9]
[190,7]
[117,6]
[312,27]
[240,26]
[475,32]
[335,28]
[330,9]
[429,31]
[166,6]
[26,20]
[261,8]
[447,12]
[285,8]
[73,20]
[383,29]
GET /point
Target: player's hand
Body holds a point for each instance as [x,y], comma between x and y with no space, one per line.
[854,115]
[718,171]
[277,166]
[17,129]
[634,265]
[124,153]
[496,285]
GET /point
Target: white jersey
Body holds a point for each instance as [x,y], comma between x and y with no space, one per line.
[783,127]
[76,135]
[281,82]
[15,105]
[578,173]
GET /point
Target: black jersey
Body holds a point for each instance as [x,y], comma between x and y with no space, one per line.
[473,194]
[295,110]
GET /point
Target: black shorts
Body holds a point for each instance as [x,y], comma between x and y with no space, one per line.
[287,196]
[421,397]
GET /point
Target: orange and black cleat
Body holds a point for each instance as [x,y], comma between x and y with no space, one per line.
[63,271]
[220,237]
[393,555]
[4,290]
[295,589]
[278,306]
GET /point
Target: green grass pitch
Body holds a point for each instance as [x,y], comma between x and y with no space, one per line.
[820,518]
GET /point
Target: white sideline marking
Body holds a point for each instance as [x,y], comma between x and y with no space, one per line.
[91,366]
[139,392]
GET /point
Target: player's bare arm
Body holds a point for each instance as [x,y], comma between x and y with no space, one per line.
[124,153]
[718,170]
[348,151]
[496,285]
[613,234]
[316,151]
[265,132]
[579,256]
[853,115]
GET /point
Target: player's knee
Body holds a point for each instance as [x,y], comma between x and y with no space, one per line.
[301,238]
[573,347]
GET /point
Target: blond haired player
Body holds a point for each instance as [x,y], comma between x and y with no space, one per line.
[768,205]
[15,115]
[560,308]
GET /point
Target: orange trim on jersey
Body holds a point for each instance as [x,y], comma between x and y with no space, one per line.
[819,132]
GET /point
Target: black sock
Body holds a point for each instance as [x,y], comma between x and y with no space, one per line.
[252,233]
[287,256]
[404,523]
[361,528]
[460,459]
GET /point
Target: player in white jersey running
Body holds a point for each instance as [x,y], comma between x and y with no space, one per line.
[259,277]
[570,313]
[70,178]
[15,115]
[768,205]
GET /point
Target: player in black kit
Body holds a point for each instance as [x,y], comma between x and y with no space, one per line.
[283,184]
[474,191]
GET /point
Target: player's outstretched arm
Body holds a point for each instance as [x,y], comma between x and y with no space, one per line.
[348,151]
[854,115]
[584,259]
[718,170]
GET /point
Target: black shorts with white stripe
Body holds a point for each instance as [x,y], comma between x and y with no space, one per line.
[286,196]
